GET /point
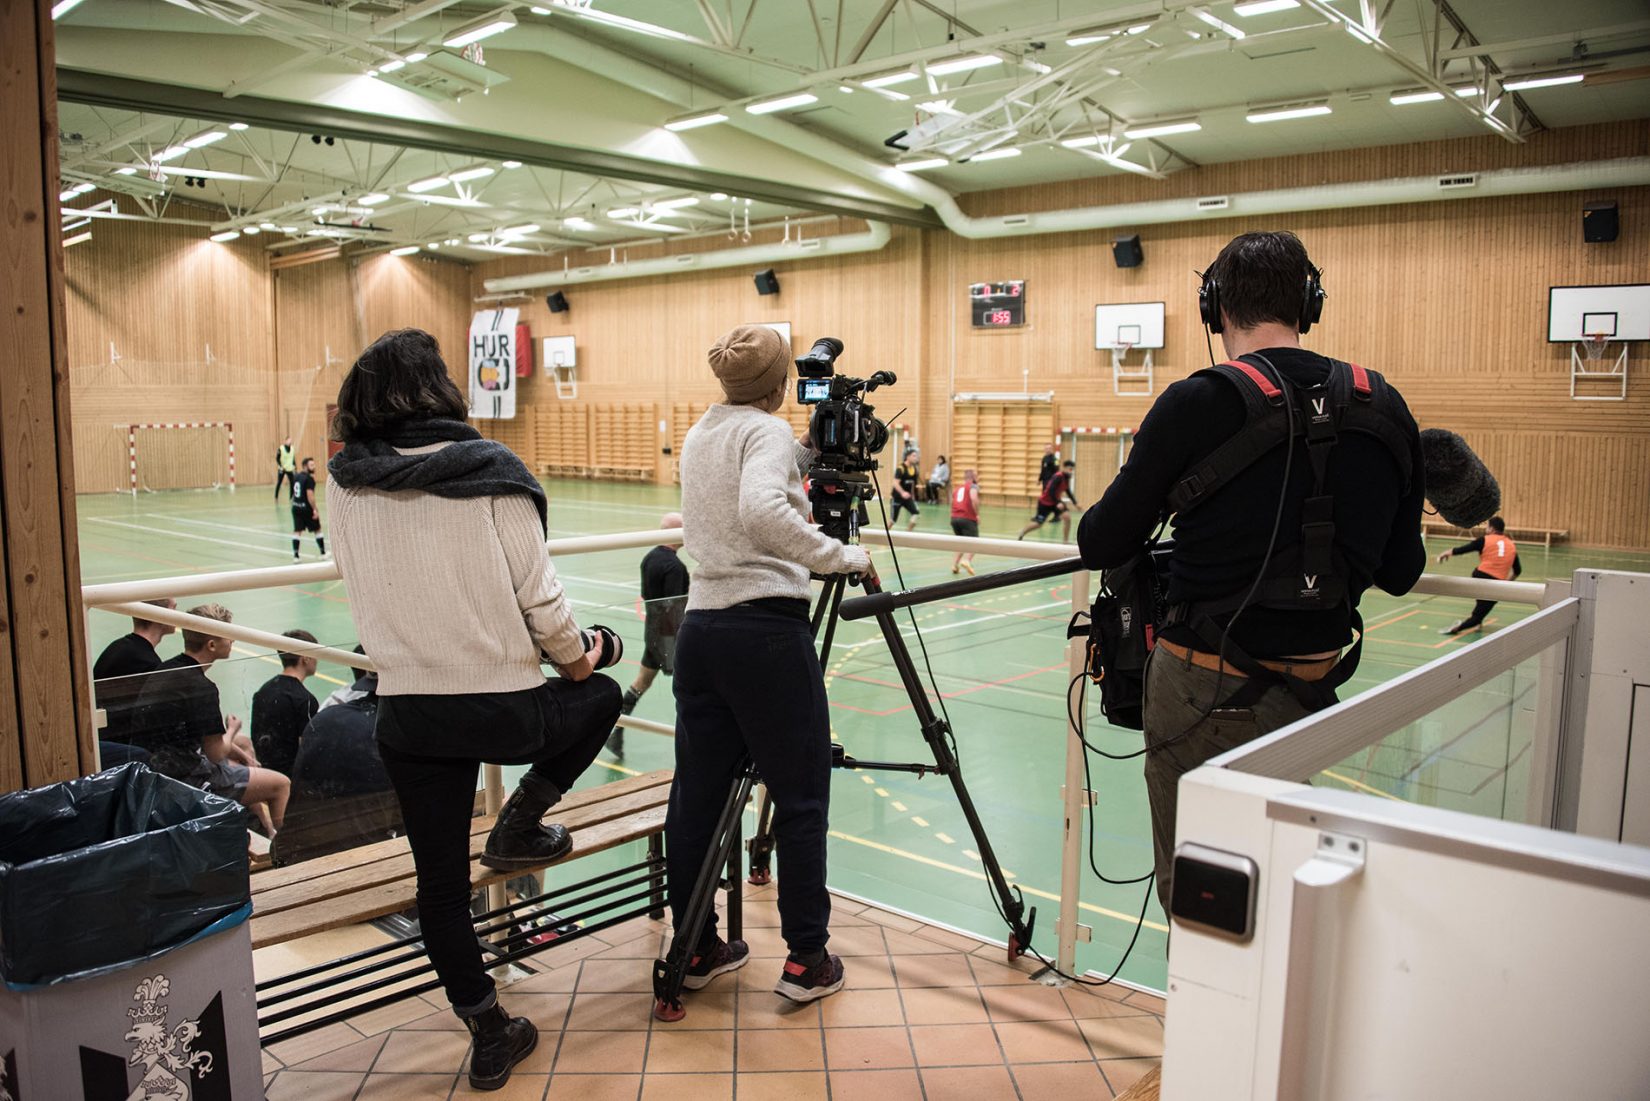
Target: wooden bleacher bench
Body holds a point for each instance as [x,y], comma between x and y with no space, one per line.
[363,883]
[1517,531]
[373,880]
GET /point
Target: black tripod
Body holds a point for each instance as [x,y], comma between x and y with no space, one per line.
[668,973]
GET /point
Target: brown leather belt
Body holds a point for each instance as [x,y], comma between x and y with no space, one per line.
[1315,669]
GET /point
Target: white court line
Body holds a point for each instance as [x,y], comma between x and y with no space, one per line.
[185,535]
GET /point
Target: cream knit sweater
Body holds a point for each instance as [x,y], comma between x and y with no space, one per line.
[744,518]
[450,596]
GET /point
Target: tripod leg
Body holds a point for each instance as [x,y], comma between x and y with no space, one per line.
[762,841]
[669,972]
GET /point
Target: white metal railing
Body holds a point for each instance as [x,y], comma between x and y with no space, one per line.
[126,597]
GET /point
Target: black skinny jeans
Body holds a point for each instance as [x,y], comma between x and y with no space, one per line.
[437,796]
[748,682]
[1480,608]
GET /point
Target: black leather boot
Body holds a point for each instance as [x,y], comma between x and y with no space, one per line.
[519,838]
[498,1042]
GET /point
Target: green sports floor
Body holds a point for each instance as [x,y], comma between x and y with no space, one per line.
[998,660]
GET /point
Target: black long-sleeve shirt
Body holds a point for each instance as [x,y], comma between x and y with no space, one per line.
[1220,546]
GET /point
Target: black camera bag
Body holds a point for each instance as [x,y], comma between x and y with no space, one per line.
[1122,629]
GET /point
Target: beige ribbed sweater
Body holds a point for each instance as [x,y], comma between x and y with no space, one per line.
[744,518]
[450,596]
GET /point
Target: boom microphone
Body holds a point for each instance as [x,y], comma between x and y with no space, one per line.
[1458,483]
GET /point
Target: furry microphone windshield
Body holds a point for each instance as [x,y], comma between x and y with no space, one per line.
[1459,485]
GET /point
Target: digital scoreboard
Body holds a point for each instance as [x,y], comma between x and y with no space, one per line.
[997,305]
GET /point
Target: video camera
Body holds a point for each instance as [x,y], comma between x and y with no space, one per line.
[846,434]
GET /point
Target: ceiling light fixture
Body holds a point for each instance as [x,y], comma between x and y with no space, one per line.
[475,172]
[270,226]
[519,231]
[962,64]
[1419,95]
[404,250]
[939,107]
[782,103]
[392,65]
[251,231]
[239,126]
[433,245]
[1219,24]
[416,56]
[452,240]
[1264,7]
[623,212]
[169,154]
[1081,143]
[1162,129]
[510,164]
[923,165]
[1523,83]
[374,199]
[127,171]
[995,154]
[693,122]
[477,238]
[889,78]
[580,225]
[64,7]
[226,235]
[1089,38]
[675,204]
[429,184]
[1279,114]
[485,27]
[652,30]
[718,196]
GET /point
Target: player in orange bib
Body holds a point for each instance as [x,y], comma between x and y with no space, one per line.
[1497,561]
[965,518]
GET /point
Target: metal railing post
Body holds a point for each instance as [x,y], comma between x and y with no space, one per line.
[1075,799]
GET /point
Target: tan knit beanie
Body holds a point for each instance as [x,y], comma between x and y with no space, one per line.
[750,362]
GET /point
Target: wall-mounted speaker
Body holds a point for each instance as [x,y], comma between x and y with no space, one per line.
[557,302]
[1127,253]
[767,282]
[1599,222]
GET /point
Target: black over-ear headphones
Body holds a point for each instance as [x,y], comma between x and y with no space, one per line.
[1208,301]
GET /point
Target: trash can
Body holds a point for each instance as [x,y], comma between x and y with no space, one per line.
[124,949]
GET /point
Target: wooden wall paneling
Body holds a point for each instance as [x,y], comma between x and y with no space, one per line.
[47,726]
[318,334]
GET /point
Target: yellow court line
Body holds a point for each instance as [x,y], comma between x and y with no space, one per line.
[277,661]
[972,874]
[1362,786]
[619,768]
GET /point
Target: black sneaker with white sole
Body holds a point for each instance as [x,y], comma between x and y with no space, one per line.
[802,983]
[721,959]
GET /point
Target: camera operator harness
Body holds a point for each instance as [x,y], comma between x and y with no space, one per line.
[1311,575]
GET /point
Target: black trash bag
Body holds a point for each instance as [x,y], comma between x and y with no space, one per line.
[111,869]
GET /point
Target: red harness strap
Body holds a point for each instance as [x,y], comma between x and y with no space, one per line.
[1360,381]
[1256,376]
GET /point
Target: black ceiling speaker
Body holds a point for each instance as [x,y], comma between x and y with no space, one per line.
[767,282]
[557,302]
[1127,253]
[1599,221]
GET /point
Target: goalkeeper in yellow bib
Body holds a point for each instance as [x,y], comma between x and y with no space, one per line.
[286,465]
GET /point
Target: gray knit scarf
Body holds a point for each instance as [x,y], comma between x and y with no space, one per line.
[468,466]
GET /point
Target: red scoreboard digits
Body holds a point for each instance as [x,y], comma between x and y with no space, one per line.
[997,305]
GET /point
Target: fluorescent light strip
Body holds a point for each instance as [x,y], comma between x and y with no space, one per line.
[1162,129]
[769,106]
[129,170]
[673,204]
[693,122]
[251,231]
[922,165]
[510,164]
[939,107]
[1542,82]
[485,27]
[652,30]
[1278,114]
[404,250]
[430,184]
[1399,99]
[207,138]
[963,64]
[1082,142]
[62,8]
[392,65]
[519,231]
[238,126]
[374,199]
[1218,24]
[1264,7]
[578,224]
[474,173]
[170,154]
[413,58]
[226,235]
[1088,38]
[995,154]
[623,212]
[889,78]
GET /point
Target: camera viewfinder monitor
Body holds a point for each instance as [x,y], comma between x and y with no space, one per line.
[811,391]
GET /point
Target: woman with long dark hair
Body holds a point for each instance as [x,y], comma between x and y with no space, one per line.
[439,535]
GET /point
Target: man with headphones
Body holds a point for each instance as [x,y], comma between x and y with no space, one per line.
[1295,482]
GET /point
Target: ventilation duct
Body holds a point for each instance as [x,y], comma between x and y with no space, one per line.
[875,237]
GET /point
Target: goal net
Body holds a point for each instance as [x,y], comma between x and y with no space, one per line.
[181,455]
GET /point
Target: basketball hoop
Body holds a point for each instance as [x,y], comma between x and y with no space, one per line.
[1594,345]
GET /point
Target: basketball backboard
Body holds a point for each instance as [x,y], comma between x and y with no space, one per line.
[1615,313]
[1139,324]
